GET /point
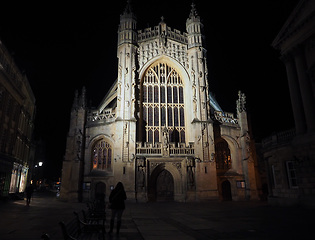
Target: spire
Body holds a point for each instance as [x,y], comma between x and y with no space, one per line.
[75,100]
[241,102]
[82,99]
[128,8]
[127,31]
[193,15]
[194,28]
[128,12]
[193,12]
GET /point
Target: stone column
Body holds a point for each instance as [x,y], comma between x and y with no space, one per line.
[296,101]
[306,90]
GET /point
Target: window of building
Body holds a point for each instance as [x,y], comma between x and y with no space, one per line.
[291,174]
[102,155]
[163,103]
[222,155]
[240,184]
[273,176]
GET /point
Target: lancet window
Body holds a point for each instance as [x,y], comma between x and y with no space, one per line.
[223,155]
[102,155]
[163,103]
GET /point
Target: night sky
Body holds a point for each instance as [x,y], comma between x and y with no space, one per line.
[62,47]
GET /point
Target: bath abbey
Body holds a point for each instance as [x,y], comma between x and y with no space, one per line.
[158,129]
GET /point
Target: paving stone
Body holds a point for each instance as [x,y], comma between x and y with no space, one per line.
[163,220]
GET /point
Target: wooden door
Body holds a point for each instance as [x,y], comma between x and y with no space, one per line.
[165,186]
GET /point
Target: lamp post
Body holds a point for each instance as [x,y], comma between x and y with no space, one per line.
[38,174]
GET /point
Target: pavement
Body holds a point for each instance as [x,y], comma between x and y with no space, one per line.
[212,220]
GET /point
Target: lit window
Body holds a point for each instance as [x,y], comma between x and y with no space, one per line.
[102,155]
[222,155]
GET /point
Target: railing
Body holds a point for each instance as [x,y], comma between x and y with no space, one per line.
[175,149]
[106,114]
[225,117]
[149,148]
[182,150]
[279,138]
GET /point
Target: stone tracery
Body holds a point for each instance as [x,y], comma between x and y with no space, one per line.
[163,103]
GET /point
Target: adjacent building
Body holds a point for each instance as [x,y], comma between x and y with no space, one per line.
[158,129]
[17,111]
[290,155]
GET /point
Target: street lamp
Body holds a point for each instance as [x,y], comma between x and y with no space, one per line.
[38,174]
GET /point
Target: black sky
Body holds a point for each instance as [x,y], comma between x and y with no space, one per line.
[62,47]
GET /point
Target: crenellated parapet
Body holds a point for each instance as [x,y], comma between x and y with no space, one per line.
[152,33]
[225,117]
[162,40]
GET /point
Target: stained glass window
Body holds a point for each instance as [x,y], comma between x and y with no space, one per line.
[163,103]
[102,155]
[222,155]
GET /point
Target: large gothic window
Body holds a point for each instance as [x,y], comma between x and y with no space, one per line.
[163,103]
[102,155]
[223,155]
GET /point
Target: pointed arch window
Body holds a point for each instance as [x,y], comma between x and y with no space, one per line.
[102,155]
[163,103]
[223,155]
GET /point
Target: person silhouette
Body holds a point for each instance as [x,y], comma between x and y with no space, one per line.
[117,204]
[29,192]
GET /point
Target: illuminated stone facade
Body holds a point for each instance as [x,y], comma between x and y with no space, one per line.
[17,112]
[158,129]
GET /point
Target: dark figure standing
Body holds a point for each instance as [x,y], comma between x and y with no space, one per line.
[29,192]
[117,203]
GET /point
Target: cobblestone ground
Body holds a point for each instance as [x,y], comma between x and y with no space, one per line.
[162,220]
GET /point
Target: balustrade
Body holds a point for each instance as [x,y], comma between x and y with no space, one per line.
[106,114]
[279,138]
[175,149]
[225,117]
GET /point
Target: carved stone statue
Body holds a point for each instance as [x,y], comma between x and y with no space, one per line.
[165,142]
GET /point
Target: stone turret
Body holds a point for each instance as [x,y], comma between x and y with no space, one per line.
[74,156]
[126,97]
[127,28]
[248,161]
[204,149]
[194,29]
[126,53]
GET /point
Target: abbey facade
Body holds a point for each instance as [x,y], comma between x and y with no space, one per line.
[158,129]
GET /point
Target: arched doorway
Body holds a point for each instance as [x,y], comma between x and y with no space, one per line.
[100,190]
[226,191]
[165,186]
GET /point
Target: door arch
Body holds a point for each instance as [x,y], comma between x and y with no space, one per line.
[100,190]
[226,190]
[165,186]
[161,185]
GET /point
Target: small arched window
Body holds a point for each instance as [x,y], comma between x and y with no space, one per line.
[102,155]
[223,155]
